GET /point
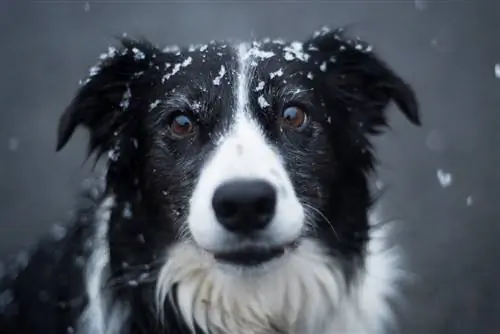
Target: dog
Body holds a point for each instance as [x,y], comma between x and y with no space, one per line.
[236,197]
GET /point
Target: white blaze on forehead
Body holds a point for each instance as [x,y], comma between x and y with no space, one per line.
[243,77]
[243,152]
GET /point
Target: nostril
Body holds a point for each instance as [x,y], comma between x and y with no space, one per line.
[226,209]
[265,205]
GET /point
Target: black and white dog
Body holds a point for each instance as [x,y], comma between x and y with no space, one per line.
[236,198]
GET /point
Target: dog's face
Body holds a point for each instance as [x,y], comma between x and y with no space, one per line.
[243,150]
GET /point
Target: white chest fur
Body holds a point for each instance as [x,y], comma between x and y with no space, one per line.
[307,294]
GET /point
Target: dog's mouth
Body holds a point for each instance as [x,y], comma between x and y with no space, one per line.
[252,256]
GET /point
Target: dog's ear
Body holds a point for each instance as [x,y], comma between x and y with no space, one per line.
[102,104]
[362,82]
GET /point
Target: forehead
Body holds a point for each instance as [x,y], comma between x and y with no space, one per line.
[218,67]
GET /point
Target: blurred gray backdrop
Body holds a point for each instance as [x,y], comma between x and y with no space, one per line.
[442,180]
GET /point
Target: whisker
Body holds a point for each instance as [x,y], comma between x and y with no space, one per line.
[316,210]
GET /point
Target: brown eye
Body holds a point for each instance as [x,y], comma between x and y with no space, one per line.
[181,126]
[294,117]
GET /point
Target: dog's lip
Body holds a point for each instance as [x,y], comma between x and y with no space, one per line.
[252,255]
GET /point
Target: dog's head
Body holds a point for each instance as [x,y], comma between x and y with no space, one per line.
[244,150]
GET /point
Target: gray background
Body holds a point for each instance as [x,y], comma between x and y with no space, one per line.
[446,49]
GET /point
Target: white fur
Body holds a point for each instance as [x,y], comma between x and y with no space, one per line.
[243,153]
[306,294]
[100,317]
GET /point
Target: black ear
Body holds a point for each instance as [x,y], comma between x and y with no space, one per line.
[362,81]
[102,104]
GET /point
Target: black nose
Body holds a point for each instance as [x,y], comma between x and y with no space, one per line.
[244,206]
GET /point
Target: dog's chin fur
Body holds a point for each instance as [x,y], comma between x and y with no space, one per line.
[302,292]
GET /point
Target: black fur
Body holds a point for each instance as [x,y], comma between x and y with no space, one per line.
[127,107]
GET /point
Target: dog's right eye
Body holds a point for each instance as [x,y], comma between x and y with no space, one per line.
[181,126]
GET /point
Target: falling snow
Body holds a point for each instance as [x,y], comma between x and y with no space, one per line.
[468,201]
[13,144]
[421,4]
[86,6]
[497,70]
[445,179]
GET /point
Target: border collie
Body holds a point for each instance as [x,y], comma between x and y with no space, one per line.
[236,198]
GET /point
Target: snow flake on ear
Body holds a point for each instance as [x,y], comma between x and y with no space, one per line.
[138,54]
[108,55]
[310,76]
[322,67]
[125,102]
[221,74]
[94,70]
[295,51]
[361,46]
[322,31]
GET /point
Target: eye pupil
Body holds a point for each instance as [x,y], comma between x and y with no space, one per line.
[294,117]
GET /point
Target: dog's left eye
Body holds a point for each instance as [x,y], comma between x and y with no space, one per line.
[294,117]
[181,126]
